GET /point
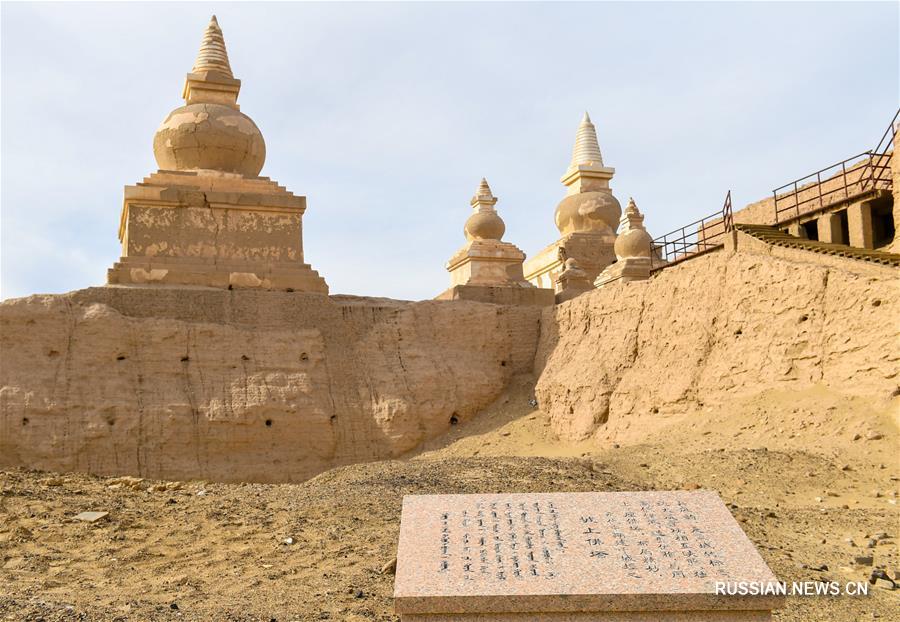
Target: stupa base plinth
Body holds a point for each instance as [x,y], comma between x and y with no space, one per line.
[209,273]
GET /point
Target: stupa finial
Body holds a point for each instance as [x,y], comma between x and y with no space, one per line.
[631,208]
[211,81]
[587,149]
[483,194]
[212,55]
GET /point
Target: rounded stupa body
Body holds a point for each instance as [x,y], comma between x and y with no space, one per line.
[210,132]
[212,137]
[589,205]
[485,223]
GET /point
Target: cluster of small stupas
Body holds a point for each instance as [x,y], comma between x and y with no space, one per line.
[206,217]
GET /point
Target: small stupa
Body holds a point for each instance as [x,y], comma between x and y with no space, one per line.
[572,281]
[586,217]
[206,218]
[486,268]
[633,249]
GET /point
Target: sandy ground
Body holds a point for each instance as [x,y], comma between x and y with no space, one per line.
[809,496]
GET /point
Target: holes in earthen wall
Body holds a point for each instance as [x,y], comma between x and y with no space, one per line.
[803,318]
[268,423]
[52,353]
[304,356]
[738,332]
[121,357]
[24,420]
[876,303]
[571,410]
[185,359]
[244,357]
[290,290]
[502,363]
[454,419]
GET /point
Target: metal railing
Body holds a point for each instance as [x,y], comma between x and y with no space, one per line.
[883,154]
[693,239]
[864,172]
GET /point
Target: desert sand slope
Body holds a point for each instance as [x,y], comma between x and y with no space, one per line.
[808,498]
[716,328]
[243,385]
[219,551]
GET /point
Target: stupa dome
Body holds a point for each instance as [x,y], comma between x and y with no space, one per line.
[485,223]
[210,132]
[209,136]
[589,204]
[588,211]
[633,239]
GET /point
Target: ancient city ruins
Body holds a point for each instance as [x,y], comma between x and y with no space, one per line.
[214,354]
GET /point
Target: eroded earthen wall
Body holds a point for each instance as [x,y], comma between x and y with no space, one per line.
[242,385]
[711,329]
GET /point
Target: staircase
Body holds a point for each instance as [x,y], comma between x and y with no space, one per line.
[776,237]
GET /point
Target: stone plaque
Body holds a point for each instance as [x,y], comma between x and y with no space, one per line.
[590,556]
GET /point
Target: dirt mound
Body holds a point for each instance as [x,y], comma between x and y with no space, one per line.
[315,551]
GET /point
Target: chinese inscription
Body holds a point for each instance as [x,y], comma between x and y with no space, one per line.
[505,540]
[515,540]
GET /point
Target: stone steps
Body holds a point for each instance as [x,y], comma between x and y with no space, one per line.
[776,237]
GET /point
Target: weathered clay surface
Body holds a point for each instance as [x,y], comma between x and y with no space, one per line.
[180,383]
[711,329]
[238,386]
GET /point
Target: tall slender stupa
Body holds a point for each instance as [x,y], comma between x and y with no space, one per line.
[206,218]
[587,216]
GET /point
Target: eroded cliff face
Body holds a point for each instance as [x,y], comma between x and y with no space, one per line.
[272,387]
[242,385]
[713,328]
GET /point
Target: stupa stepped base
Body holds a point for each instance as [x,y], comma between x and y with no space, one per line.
[211,273]
[625,270]
[500,295]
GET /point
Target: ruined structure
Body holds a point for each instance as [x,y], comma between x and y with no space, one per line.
[206,217]
[633,249]
[572,281]
[173,376]
[486,268]
[586,217]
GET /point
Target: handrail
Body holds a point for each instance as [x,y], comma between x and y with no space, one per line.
[874,165]
[886,139]
[692,239]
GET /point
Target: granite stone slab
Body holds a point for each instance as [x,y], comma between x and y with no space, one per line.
[575,552]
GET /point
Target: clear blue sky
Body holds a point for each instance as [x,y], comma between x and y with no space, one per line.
[387,115]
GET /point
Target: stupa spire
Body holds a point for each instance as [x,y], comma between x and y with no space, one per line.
[212,55]
[631,208]
[587,150]
[211,81]
[483,195]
